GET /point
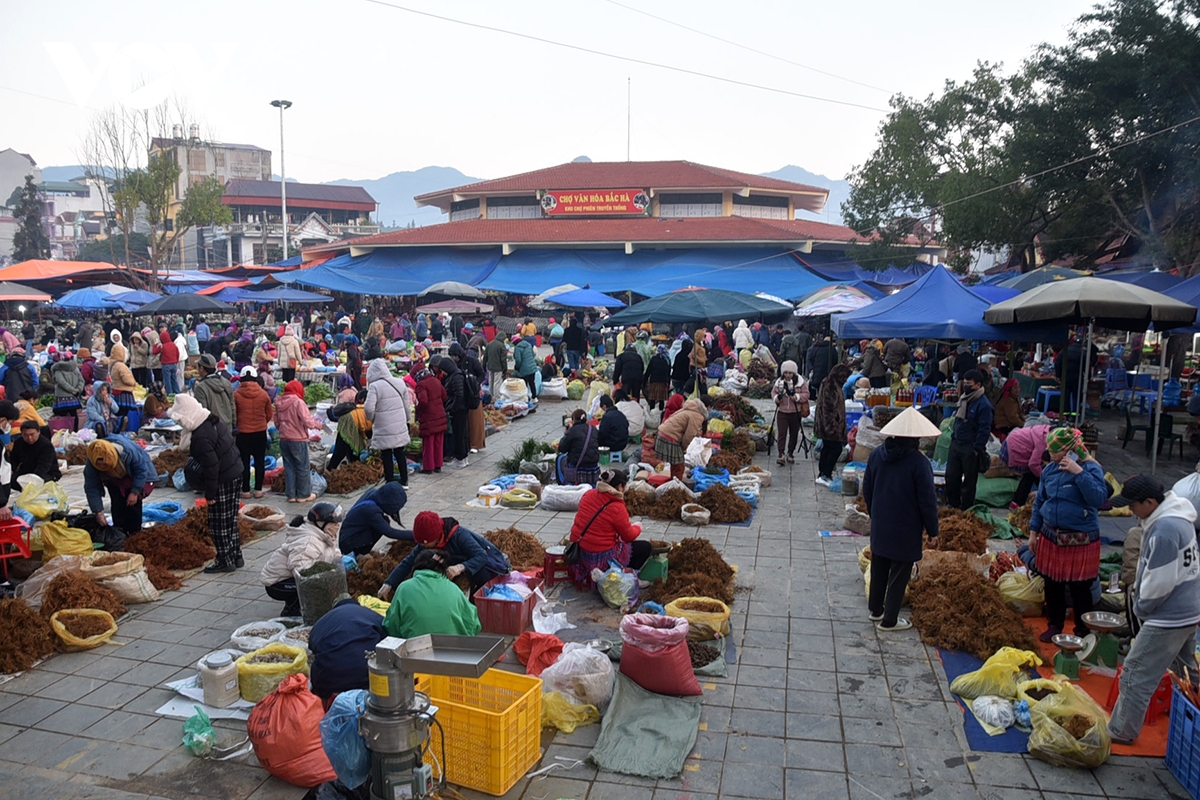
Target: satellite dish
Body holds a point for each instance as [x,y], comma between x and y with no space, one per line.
[581,160]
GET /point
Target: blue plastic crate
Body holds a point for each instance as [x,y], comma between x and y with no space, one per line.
[1183,743]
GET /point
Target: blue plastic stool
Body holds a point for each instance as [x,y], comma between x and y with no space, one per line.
[1044,395]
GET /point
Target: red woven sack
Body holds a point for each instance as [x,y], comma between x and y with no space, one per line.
[654,654]
[285,730]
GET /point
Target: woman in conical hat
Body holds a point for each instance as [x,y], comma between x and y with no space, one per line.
[898,489]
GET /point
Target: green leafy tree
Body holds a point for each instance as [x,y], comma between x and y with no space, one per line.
[153,188]
[30,240]
[113,250]
[1048,161]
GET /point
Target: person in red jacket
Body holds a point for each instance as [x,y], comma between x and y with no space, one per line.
[603,530]
[169,354]
[432,419]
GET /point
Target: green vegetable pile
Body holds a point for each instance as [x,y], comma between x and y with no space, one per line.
[316,392]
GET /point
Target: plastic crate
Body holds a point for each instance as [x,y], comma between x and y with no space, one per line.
[493,727]
[1183,743]
[505,617]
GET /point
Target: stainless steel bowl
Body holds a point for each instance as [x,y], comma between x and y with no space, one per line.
[1068,643]
[603,645]
[1103,620]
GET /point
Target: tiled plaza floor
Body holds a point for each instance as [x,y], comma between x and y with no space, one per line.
[818,706]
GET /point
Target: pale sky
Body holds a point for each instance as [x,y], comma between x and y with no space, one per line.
[377,90]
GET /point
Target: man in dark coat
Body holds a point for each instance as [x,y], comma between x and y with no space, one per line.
[369,520]
[898,489]
[31,454]
[574,343]
[339,643]
[456,409]
[628,370]
[820,359]
[218,471]
[968,442]
[614,427]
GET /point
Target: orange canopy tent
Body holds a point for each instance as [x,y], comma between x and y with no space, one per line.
[41,270]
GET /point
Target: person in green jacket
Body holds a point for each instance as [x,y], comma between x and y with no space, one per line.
[525,363]
[429,602]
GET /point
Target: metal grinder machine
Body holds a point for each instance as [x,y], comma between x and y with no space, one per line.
[396,723]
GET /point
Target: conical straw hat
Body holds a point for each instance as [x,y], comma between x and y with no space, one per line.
[912,424]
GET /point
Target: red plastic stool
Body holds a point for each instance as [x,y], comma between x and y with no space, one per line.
[13,533]
[554,569]
[1160,701]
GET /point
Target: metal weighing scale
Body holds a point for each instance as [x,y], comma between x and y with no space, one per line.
[395,725]
[1066,663]
[1102,647]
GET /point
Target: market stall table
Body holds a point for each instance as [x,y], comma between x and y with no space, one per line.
[1030,385]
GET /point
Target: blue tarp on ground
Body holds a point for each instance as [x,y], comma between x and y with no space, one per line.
[654,272]
[920,312]
[395,272]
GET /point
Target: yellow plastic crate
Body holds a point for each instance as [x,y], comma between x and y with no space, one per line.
[493,727]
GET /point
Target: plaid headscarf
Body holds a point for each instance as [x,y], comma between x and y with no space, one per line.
[1070,439]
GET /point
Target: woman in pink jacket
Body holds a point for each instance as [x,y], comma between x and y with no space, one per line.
[293,420]
[1023,451]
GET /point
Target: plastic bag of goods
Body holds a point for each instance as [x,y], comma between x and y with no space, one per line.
[513,390]
[1069,730]
[654,654]
[58,539]
[344,745]
[561,713]
[618,586]
[583,675]
[42,499]
[260,520]
[519,498]
[575,390]
[62,621]
[707,617]
[998,676]
[698,452]
[254,635]
[555,387]
[132,587]
[285,730]
[113,564]
[764,477]
[996,711]
[673,483]
[1036,690]
[694,514]
[1023,593]
[563,498]
[319,586]
[264,669]
[32,590]
[856,520]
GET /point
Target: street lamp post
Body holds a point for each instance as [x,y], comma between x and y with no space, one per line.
[281,105]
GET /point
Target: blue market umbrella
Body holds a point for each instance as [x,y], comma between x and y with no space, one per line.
[697,305]
[132,299]
[584,298]
[89,298]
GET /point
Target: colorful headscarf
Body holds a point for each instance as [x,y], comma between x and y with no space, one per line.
[294,387]
[1069,439]
[1011,388]
[661,349]
[105,458]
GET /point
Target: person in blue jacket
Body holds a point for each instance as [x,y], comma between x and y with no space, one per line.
[339,643]
[968,442]
[1064,528]
[473,554]
[898,489]
[117,464]
[369,520]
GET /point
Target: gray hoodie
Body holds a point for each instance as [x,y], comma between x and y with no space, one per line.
[1167,593]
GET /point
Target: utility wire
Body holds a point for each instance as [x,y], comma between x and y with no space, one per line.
[629,59]
[748,48]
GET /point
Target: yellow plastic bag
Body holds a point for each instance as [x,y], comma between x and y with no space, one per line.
[380,607]
[256,681]
[43,500]
[60,540]
[1115,485]
[702,625]
[1025,687]
[1022,593]
[71,642]
[864,559]
[565,715]
[1054,744]
[721,426]
[998,676]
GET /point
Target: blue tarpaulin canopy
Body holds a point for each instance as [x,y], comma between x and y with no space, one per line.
[920,311]
[281,294]
[994,294]
[396,272]
[584,298]
[653,272]
[1155,280]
